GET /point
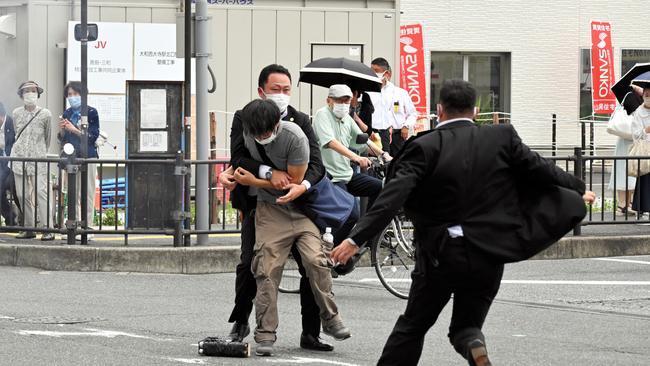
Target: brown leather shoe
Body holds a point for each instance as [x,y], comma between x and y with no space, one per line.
[478,353]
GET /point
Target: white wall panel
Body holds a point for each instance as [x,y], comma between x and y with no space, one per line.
[263,44]
[288,48]
[112,14]
[313,30]
[138,15]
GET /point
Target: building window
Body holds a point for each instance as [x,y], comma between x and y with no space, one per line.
[629,58]
[585,83]
[488,72]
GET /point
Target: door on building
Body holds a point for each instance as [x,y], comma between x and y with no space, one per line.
[352,51]
[488,72]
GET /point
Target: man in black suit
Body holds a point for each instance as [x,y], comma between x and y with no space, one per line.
[6,177]
[274,83]
[460,185]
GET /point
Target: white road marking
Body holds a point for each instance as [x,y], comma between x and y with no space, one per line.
[89,332]
[519,335]
[307,360]
[539,282]
[193,361]
[560,282]
[621,260]
[387,280]
[7,317]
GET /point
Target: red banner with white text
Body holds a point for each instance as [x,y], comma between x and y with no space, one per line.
[412,77]
[602,68]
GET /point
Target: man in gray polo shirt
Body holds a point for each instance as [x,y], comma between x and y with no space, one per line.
[279,224]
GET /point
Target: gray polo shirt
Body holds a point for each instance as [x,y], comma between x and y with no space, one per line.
[290,147]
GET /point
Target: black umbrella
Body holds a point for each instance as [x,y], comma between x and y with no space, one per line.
[328,71]
[622,87]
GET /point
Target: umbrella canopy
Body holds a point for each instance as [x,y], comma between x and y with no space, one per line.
[328,71]
[622,87]
[642,80]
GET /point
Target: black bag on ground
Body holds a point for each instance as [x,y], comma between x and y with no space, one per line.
[223,347]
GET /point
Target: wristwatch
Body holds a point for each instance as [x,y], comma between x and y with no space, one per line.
[268,175]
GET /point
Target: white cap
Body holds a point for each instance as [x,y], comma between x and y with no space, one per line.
[339,91]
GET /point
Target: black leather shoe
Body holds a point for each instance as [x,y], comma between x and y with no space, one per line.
[239,331]
[308,341]
[478,353]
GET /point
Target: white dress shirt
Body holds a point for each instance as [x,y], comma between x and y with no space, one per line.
[393,108]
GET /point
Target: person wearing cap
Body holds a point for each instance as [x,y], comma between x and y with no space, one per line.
[337,134]
[32,125]
[279,224]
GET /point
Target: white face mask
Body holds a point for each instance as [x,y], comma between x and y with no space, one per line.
[280,99]
[340,110]
[30,99]
[269,139]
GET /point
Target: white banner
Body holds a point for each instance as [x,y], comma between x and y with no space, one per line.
[110,58]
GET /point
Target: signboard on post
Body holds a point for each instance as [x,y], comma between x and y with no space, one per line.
[412,77]
[602,68]
[110,58]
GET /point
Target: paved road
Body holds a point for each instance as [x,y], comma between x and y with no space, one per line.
[540,317]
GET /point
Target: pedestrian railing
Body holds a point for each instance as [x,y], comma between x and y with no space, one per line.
[64,213]
[114,209]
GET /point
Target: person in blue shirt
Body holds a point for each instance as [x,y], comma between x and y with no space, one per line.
[70,132]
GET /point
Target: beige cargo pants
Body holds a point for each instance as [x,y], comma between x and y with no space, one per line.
[277,228]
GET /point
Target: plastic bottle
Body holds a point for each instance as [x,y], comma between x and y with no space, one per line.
[328,237]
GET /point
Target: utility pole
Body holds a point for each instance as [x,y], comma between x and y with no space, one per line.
[187,125]
[84,119]
[202,123]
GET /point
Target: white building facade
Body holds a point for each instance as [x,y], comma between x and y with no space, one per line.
[528,58]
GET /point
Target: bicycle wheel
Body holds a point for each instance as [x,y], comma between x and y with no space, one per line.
[290,282]
[393,257]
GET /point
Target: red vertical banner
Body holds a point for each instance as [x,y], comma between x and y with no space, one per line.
[412,77]
[602,68]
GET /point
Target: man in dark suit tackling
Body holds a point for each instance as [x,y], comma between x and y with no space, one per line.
[461,184]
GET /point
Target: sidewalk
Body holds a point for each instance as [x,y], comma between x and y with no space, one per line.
[155,253]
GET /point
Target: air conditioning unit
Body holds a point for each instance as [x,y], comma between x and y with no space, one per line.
[8,25]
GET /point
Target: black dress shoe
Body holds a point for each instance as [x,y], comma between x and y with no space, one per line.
[308,341]
[478,353]
[239,331]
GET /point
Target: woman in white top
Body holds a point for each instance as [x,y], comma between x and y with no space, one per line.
[623,185]
[641,130]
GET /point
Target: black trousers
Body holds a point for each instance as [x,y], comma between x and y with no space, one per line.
[385,140]
[466,273]
[397,142]
[246,287]
[6,183]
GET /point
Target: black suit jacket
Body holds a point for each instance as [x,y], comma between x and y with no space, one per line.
[240,157]
[484,179]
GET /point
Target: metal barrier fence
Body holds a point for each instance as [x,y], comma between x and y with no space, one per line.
[56,180]
[57,183]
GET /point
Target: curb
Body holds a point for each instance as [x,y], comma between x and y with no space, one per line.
[219,259]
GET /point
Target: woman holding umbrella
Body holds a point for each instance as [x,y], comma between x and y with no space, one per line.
[641,131]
